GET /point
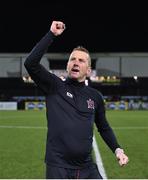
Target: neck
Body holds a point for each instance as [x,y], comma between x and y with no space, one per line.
[75,82]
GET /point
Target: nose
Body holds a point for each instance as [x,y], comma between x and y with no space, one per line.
[76,62]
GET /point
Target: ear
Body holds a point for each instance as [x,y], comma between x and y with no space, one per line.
[88,71]
[67,67]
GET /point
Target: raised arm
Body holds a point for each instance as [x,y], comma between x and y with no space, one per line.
[38,73]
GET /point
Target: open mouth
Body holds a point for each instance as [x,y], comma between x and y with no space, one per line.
[75,70]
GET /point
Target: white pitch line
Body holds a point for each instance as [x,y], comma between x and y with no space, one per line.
[99,159]
[42,127]
[23,127]
[132,127]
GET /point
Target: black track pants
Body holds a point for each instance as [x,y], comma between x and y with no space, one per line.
[53,172]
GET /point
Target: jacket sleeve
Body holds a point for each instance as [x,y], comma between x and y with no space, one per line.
[46,81]
[103,126]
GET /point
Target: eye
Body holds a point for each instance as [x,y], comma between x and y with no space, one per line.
[72,59]
[81,60]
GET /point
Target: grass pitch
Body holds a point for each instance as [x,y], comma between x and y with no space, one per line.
[23,138]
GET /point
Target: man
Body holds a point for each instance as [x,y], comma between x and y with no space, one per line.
[72,109]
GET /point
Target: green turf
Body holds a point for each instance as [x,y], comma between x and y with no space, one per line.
[22,149]
[133,138]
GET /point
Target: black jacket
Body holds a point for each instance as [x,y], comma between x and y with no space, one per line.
[72,109]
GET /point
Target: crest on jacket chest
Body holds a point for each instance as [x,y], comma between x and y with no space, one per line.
[90,104]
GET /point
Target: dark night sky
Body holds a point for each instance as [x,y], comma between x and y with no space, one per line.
[100,26]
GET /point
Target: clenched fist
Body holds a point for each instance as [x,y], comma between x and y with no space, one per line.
[57,27]
[122,158]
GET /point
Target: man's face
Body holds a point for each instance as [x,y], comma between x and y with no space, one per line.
[78,65]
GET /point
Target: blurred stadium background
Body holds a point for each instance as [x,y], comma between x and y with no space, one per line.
[116,36]
[123,80]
